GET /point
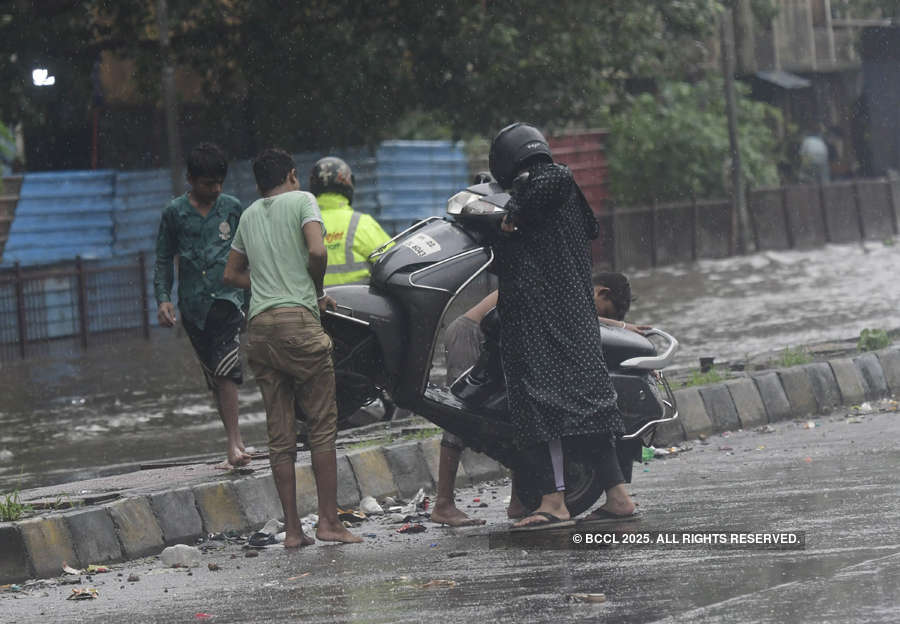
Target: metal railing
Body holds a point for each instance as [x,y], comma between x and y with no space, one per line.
[80,300]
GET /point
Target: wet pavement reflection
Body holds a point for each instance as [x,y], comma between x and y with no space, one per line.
[836,482]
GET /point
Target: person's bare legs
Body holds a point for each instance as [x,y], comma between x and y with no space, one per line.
[554,504]
[618,501]
[330,528]
[445,510]
[286,485]
[515,510]
[226,394]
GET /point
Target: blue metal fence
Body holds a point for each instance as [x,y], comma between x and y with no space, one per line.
[109,217]
[105,214]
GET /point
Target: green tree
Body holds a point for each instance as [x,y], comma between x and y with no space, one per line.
[674,144]
[336,72]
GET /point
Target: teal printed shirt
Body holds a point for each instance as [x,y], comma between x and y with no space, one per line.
[202,245]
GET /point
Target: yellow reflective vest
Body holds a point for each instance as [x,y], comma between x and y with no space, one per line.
[349,238]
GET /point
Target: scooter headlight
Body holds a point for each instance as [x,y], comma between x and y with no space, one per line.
[466,203]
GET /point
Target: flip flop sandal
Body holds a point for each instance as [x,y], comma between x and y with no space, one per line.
[603,516]
[550,522]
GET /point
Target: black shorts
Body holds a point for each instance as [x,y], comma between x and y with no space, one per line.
[218,344]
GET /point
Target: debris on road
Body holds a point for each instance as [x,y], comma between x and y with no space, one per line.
[412,528]
[368,505]
[213,567]
[180,556]
[809,424]
[250,554]
[80,593]
[133,578]
[350,515]
[297,578]
[595,598]
[439,583]
[765,429]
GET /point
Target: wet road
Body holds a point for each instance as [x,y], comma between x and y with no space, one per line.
[837,482]
[751,304]
[103,411]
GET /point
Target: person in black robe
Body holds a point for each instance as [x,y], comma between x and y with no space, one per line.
[558,383]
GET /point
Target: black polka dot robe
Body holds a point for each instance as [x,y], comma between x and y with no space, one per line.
[550,342]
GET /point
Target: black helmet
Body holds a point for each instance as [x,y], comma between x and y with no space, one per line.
[512,146]
[331,175]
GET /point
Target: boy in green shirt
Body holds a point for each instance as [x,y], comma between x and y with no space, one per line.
[198,228]
[281,236]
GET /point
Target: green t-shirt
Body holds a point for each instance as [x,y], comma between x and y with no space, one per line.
[270,234]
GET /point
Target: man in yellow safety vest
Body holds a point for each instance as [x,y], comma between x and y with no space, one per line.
[350,236]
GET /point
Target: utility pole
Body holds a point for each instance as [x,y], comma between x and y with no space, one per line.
[740,222]
[168,87]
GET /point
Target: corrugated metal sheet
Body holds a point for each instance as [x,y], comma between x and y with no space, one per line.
[139,201]
[104,214]
[61,215]
[416,178]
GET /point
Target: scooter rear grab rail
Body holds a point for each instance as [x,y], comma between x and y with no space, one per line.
[655,362]
[670,411]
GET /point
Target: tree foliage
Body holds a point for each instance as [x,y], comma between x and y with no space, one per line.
[348,72]
[674,144]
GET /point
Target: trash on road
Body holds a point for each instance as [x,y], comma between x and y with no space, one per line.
[273,527]
[809,424]
[81,593]
[250,554]
[595,598]
[180,556]
[261,540]
[765,429]
[462,553]
[297,578]
[726,448]
[854,421]
[439,583]
[70,570]
[213,567]
[368,505]
[411,528]
[350,515]
[133,578]
[204,616]
[96,569]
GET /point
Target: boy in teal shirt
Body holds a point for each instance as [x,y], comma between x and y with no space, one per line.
[198,228]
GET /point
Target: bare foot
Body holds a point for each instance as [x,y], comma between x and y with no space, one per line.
[335,532]
[296,541]
[449,514]
[237,457]
[516,509]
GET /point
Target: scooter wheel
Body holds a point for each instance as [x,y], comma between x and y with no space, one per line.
[583,486]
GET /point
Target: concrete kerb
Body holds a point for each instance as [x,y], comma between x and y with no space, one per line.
[889,359]
[849,380]
[94,536]
[15,563]
[872,375]
[138,530]
[140,526]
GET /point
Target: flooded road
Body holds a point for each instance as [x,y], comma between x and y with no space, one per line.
[84,414]
[746,305]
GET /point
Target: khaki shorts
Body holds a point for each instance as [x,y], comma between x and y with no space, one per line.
[290,355]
